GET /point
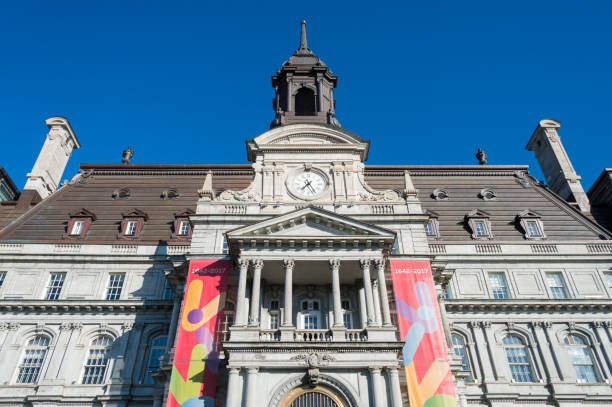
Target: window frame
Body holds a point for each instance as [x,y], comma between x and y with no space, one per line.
[274,314]
[435,226]
[134,215]
[465,357]
[109,287]
[51,287]
[347,313]
[35,348]
[82,215]
[225,322]
[101,379]
[527,354]
[566,294]
[179,218]
[586,345]
[476,217]
[492,288]
[525,218]
[152,346]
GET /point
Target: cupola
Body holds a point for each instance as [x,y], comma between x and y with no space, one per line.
[304,88]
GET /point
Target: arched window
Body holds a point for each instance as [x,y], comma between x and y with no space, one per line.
[158,347]
[582,360]
[305,102]
[98,356]
[228,319]
[459,348]
[33,359]
[518,360]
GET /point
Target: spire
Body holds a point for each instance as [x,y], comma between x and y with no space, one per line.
[303,42]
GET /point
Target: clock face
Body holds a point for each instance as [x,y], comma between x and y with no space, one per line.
[309,184]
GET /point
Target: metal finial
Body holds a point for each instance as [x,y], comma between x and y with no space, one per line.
[303,42]
[482,157]
[128,153]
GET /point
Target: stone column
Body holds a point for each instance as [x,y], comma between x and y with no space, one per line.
[566,369]
[251,396]
[550,364]
[174,319]
[362,308]
[497,358]
[367,286]
[288,317]
[396,391]
[234,393]
[241,294]
[58,355]
[444,319]
[603,351]
[382,287]
[254,317]
[485,357]
[377,314]
[334,266]
[378,388]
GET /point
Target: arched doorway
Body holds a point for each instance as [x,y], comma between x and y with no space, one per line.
[317,396]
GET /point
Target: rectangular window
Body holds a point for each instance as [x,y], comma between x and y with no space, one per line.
[225,248]
[130,228]
[184,228]
[115,285]
[348,319]
[481,228]
[77,227]
[274,305]
[499,287]
[429,228]
[2,277]
[56,282]
[274,317]
[311,321]
[533,228]
[556,285]
[446,293]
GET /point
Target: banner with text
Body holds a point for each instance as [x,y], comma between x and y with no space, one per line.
[196,356]
[428,375]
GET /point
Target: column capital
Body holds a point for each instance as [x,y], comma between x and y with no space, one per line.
[289,264]
[365,263]
[234,370]
[334,264]
[258,263]
[375,370]
[244,262]
[252,370]
[380,263]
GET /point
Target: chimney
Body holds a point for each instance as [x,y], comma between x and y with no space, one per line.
[51,161]
[556,165]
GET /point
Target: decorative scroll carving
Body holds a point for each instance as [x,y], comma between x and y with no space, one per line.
[314,359]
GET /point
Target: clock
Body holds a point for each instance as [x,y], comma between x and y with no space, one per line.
[308,184]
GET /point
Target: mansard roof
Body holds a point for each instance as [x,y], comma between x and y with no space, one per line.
[516,192]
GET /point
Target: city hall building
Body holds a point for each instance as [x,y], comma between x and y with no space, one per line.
[305,277]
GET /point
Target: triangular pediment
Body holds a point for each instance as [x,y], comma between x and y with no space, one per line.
[311,223]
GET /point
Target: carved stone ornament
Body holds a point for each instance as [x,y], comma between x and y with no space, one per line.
[523,178]
[487,194]
[370,194]
[246,195]
[315,359]
[440,194]
[82,177]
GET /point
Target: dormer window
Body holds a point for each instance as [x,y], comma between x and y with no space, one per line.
[77,227]
[182,225]
[79,223]
[479,224]
[184,228]
[431,226]
[132,224]
[130,228]
[531,224]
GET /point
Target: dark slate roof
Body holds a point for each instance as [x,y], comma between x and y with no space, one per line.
[464,184]
[9,182]
[147,183]
[600,197]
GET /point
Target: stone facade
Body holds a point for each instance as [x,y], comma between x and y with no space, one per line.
[89,311]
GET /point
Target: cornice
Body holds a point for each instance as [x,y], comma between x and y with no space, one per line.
[528,305]
[444,170]
[61,306]
[329,347]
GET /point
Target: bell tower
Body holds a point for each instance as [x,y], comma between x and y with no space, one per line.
[304,88]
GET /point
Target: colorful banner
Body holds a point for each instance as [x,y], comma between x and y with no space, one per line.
[430,383]
[196,358]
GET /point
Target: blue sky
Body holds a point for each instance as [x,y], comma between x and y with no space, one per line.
[188,82]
